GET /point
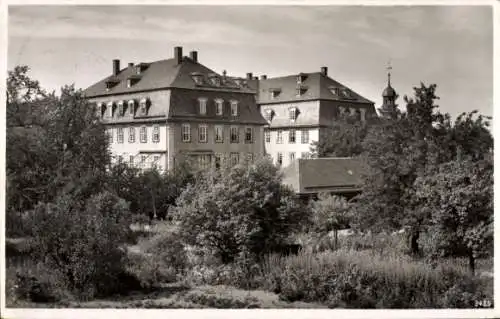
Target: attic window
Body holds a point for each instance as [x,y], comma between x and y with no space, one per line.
[301,77]
[131,107]
[197,78]
[139,68]
[269,115]
[132,80]
[334,90]
[346,93]
[275,93]
[111,83]
[301,90]
[215,80]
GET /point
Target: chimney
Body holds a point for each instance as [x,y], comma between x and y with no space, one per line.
[263,77]
[324,70]
[194,56]
[116,67]
[178,54]
[130,64]
[249,76]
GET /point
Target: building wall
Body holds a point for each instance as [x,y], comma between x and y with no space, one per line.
[301,150]
[308,113]
[194,146]
[329,110]
[158,109]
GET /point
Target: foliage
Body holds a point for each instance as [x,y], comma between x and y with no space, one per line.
[83,244]
[52,143]
[344,278]
[329,212]
[343,139]
[244,208]
[459,198]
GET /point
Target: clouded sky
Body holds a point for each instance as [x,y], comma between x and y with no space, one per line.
[451,46]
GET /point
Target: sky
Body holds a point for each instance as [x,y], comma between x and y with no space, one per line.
[451,46]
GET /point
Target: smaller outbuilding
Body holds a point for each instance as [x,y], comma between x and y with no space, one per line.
[336,175]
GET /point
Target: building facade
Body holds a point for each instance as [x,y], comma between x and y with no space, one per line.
[300,109]
[156,113]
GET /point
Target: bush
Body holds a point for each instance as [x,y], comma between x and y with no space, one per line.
[242,208]
[352,279]
[84,245]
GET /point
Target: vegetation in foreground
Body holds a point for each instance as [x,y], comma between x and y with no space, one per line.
[423,233]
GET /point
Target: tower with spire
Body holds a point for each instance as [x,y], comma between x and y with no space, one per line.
[389,95]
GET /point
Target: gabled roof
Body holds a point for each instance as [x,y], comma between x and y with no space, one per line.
[162,74]
[331,174]
[316,86]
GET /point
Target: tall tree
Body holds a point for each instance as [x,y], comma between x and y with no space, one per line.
[396,152]
[459,199]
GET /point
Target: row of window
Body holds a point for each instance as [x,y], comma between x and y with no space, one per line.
[123,107]
[219,107]
[292,136]
[293,112]
[143,134]
[291,157]
[219,133]
[217,160]
[143,161]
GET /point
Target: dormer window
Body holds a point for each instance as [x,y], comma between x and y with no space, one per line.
[301,77]
[143,106]
[215,80]
[334,90]
[275,93]
[111,83]
[292,113]
[346,93]
[197,78]
[140,68]
[234,108]
[269,115]
[131,107]
[219,104]
[301,90]
[202,106]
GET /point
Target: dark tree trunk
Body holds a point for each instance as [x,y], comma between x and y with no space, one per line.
[472,264]
[413,241]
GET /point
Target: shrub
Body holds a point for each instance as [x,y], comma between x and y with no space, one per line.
[242,208]
[84,245]
[363,279]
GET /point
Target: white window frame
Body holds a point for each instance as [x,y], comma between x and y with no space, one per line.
[290,136]
[131,134]
[292,114]
[186,133]
[156,134]
[267,136]
[234,108]
[250,157]
[121,108]
[110,107]
[279,137]
[203,133]
[110,135]
[143,104]
[291,157]
[143,134]
[231,140]
[119,135]
[303,134]
[131,160]
[235,158]
[221,135]
[219,107]
[131,107]
[247,130]
[279,159]
[202,106]
[269,114]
